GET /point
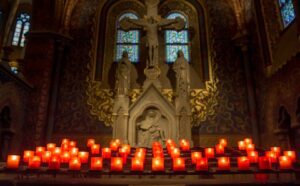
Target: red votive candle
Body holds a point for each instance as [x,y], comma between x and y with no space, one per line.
[219,149]
[75,164]
[65,157]
[39,151]
[158,153]
[178,164]
[195,156]
[34,162]
[156,145]
[140,155]
[56,151]
[276,150]
[137,164]
[248,141]
[13,161]
[209,153]
[264,163]
[46,156]
[243,163]
[90,142]
[291,155]
[202,164]
[51,146]
[158,164]
[175,153]
[242,145]
[73,151]
[114,146]
[27,155]
[106,153]
[272,156]
[127,148]
[72,144]
[83,156]
[116,164]
[224,163]
[170,142]
[54,163]
[95,149]
[184,145]
[65,141]
[96,163]
[285,162]
[250,147]
[64,147]
[223,142]
[253,156]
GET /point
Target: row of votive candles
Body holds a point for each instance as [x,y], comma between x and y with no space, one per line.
[69,153]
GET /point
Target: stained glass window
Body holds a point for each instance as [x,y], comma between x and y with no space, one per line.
[128,41]
[177,40]
[21,28]
[287,11]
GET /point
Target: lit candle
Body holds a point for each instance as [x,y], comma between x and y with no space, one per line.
[219,149]
[95,149]
[224,163]
[116,164]
[13,161]
[114,146]
[65,141]
[195,156]
[72,144]
[175,153]
[272,156]
[64,147]
[158,164]
[285,162]
[90,142]
[178,164]
[291,155]
[170,142]
[140,155]
[118,141]
[83,156]
[223,142]
[158,153]
[276,150]
[46,156]
[264,163]
[74,151]
[248,141]
[137,164]
[242,145]
[39,151]
[243,163]
[75,164]
[250,147]
[253,156]
[27,155]
[54,163]
[202,164]
[96,163]
[127,148]
[170,149]
[106,153]
[51,146]
[156,145]
[65,157]
[34,162]
[56,152]
[184,145]
[209,153]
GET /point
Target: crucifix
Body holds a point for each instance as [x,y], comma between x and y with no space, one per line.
[152,23]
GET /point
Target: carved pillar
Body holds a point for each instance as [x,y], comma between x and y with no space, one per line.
[242,41]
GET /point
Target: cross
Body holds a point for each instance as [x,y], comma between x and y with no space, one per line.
[151,23]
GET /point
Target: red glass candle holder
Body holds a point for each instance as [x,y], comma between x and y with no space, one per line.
[72,144]
[184,145]
[242,145]
[106,153]
[75,164]
[276,150]
[64,147]
[285,163]
[114,146]
[137,164]
[158,164]
[243,163]
[248,141]
[209,153]
[46,156]
[39,151]
[219,149]
[27,155]
[116,164]
[56,151]
[74,151]
[202,164]
[51,146]
[96,163]
[65,141]
[250,147]
[175,153]
[224,163]
[127,148]
[65,157]
[90,142]
[13,161]
[83,156]
[264,163]
[223,142]
[34,162]
[178,164]
[195,156]
[95,149]
[291,155]
[158,153]
[54,163]
[253,156]
[272,156]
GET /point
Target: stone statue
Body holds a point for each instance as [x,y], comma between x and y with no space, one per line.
[150,129]
[181,67]
[123,75]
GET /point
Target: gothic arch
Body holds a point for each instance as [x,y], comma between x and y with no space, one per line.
[284,118]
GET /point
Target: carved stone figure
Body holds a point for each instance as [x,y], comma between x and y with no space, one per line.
[181,67]
[123,75]
[151,128]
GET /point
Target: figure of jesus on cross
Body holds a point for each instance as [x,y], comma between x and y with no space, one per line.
[152,23]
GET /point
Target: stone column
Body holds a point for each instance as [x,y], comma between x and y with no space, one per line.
[242,41]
